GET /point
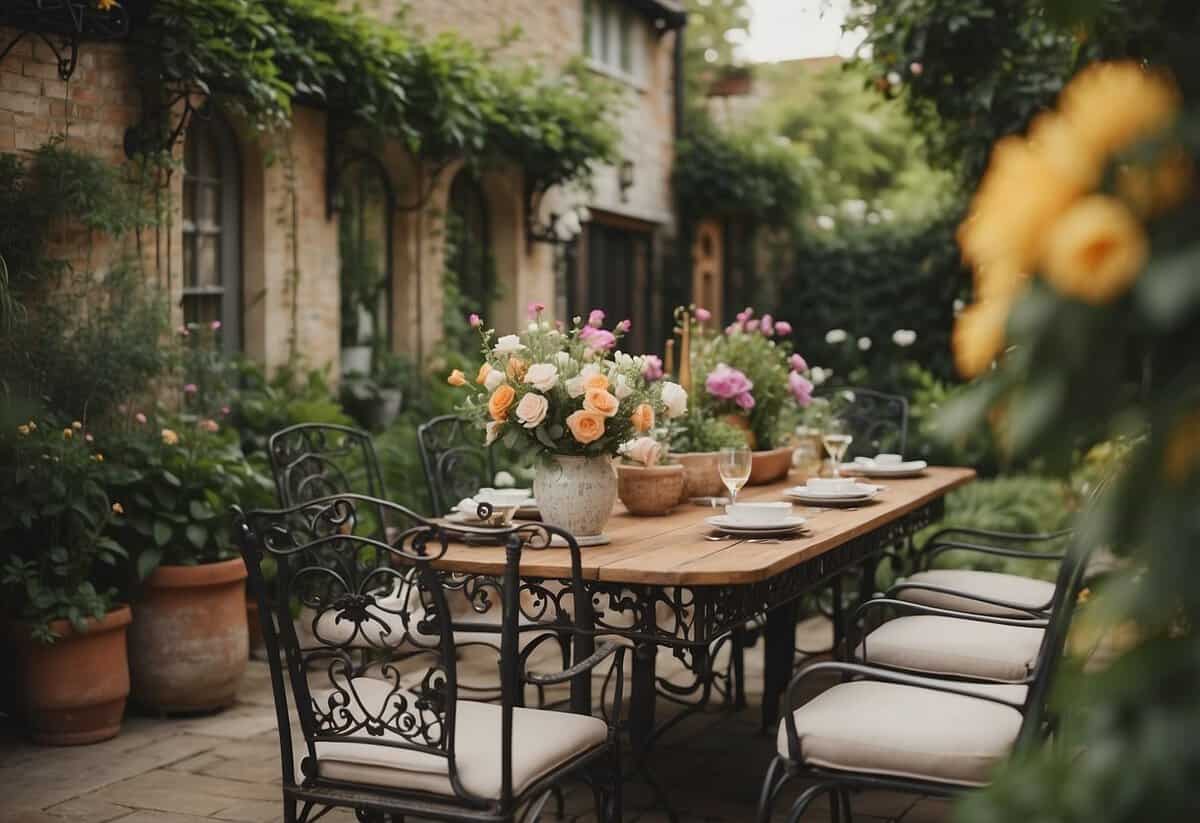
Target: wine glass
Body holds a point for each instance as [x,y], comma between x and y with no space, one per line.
[836,438]
[733,463]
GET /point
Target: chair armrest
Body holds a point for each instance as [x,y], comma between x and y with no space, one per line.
[587,664]
[1020,537]
[978,598]
[921,608]
[934,549]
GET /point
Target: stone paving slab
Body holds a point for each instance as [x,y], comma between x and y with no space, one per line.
[225,767]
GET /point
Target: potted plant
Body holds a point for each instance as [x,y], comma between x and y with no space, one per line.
[66,628]
[567,396]
[696,442]
[646,483]
[188,643]
[376,401]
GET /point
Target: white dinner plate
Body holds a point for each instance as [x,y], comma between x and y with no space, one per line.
[802,495]
[727,524]
[909,468]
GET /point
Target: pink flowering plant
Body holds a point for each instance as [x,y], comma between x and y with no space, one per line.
[552,390]
[749,371]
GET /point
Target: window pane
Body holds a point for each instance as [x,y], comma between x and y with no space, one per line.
[364,225]
[207,260]
[207,207]
[202,308]
[606,24]
[589,25]
[626,42]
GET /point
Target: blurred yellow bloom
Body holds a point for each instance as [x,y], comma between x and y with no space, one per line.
[118,508]
[24,429]
[68,434]
[105,5]
[1111,106]
[99,458]
[457,378]
[32,426]
[77,425]
[170,437]
[516,369]
[979,335]
[1183,449]
[1096,250]
[1159,187]
[1053,138]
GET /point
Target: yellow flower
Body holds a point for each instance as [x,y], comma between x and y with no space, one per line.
[118,508]
[106,5]
[585,426]
[77,425]
[1111,106]
[32,426]
[68,434]
[24,429]
[457,378]
[169,437]
[643,417]
[979,335]
[1183,449]
[1020,196]
[1085,594]
[516,369]
[1096,250]
[481,378]
[1053,138]
[99,458]
[1162,186]
[500,401]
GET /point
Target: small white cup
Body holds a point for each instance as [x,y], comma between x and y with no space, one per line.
[759,514]
[503,497]
[889,459]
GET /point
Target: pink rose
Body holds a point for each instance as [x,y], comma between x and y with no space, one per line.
[190,388]
[215,325]
[745,400]
[797,362]
[733,328]
[767,325]
[597,339]
[727,383]
[209,426]
[783,328]
[474,320]
[139,417]
[596,318]
[536,308]
[225,411]
[653,370]
[916,68]
[644,450]
[703,315]
[800,387]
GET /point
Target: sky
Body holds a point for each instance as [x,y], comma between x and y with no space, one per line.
[787,29]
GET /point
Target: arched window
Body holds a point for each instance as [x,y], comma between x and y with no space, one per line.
[365,255]
[212,232]
[468,253]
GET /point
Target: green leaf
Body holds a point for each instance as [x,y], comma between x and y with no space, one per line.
[197,535]
[201,510]
[1169,290]
[171,478]
[162,533]
[147,562]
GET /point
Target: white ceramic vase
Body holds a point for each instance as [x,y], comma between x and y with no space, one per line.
[576,493]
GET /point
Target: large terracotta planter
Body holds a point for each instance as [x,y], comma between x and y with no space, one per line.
[189,643]
[650,490]
[576,493]
[74,689]
[769,466]
[702,478]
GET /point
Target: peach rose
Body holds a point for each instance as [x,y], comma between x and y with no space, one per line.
[500,401]
[517,368]
[531,411]
[600,402]
[643,417]
[457,378]
[484,370]
[644,450]
[597,382]
[586,427]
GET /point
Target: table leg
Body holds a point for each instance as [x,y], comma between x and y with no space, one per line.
[641,698]
[779,650]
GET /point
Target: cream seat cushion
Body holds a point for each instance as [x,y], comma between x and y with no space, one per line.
[905,731]
[1011,588]
[954,646]
[542,741]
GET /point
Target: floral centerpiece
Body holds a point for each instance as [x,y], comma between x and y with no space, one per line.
[570,397]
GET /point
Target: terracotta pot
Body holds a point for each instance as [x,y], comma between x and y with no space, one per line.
[702,478]
[576,493]
[741,421]
[650,490]
[74,689]
[188,644]
[769,466]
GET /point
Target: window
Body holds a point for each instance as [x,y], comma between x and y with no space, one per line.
[609,37]
[212,264]
[612,272]
[364,255]
[468,253]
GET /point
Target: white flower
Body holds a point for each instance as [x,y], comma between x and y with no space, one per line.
[675,398]
[563,358]
[904,337]
[508,344]
[532,410]
[835,336]
[893,78]
[532,327]
[848,396]
[575,385]
[493,429]
[623,360]
[542,376]
[621,387]
[818,375]
[864,343]
[504,480]
[825,222]
[493,380]
[644,450]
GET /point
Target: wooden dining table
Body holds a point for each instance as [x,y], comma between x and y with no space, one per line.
[674,581]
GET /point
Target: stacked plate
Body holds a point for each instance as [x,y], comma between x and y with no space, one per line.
[822,491]
[886,465]
[757,520]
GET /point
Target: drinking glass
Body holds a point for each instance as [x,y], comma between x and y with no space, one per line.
[836,438]
[734,466]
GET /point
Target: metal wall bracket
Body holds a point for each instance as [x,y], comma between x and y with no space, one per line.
[69,22]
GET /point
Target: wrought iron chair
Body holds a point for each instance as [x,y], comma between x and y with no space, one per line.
[877,421]
[884,729]
[455,464]
[402,741]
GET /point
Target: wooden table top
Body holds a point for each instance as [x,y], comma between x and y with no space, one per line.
[673,551]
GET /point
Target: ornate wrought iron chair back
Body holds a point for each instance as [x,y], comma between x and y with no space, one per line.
[878,421]
[313,460]
[408,702]
[456,463]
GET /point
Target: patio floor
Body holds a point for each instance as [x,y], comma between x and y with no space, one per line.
[226,767]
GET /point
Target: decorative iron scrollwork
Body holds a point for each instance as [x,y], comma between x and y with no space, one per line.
[69,21]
